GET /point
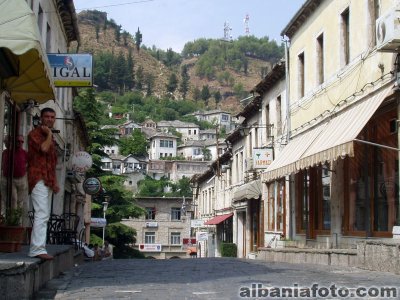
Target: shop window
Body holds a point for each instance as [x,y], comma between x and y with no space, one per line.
[313,198]
[372,181]
[276,207]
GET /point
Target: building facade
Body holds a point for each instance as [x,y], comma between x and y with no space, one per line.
[163,231]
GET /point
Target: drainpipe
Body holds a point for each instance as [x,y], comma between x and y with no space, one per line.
[287,87]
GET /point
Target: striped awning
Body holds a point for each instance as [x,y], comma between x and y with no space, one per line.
[327,141]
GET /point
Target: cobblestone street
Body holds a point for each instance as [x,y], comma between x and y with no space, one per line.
[214,278]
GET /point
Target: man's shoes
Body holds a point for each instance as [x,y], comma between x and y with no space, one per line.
[45,256]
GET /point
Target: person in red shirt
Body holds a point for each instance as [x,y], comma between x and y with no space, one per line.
[42,181]
[19,186]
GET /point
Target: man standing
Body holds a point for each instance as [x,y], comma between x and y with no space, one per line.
[42,181]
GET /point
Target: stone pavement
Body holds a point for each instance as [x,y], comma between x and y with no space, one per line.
[213,278]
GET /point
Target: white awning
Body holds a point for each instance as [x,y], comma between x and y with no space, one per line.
[20,35]
[328,140]
[250,190]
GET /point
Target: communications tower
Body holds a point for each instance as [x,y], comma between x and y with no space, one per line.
[246,25]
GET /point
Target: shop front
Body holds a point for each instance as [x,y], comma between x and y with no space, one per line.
[25,81]
[344,174]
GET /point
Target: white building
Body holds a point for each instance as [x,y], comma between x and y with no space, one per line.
[162,145]
[162,233]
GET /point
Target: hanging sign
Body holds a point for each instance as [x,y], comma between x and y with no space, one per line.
[81,161]
[262,158]
[92,185]
[71,69]
[98,222]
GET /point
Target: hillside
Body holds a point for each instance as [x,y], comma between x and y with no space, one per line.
[98,35]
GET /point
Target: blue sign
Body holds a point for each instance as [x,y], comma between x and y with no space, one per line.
[71,69]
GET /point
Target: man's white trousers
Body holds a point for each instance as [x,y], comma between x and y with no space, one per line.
[41,200]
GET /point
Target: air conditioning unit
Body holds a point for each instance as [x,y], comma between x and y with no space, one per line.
[248,164]
[388,32]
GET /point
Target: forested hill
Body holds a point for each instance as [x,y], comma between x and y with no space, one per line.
[215,73]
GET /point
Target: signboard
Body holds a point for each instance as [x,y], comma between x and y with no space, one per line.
[196,223]
[81,161]
[92,185]
[151,224]
[98,222]
[150,247]
[187,241]
[262,158]
[71,69]
[202,236]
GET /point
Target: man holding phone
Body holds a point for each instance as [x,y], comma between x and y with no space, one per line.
[42,181]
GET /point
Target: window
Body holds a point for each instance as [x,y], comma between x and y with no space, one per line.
[276,214]
[175,213]
[345,38]
[107,165]
[175,238]
[374,8]
[278,115]
[190,132]
[150,237]
[320,59]
[313,188]
[372,192]
[171,144]
[300,76]
[130,182]
[162,143]
[150,213]
[224,117]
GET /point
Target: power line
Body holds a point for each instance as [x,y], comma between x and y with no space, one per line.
[113,5]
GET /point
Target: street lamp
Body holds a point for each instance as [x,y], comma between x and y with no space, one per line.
[105,206]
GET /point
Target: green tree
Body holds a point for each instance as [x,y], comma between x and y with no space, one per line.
[130,73]
[196,94]
[184,86]
[172,83]
[118,33]
[149,80]
[118,72]
[136,144]
[139,78]
[125,36]
[138,39]
[93,113]
[205,94]
[97,28]
[217,97]
[206,154]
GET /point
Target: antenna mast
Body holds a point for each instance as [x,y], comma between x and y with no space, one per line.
[227,32]
[246,25]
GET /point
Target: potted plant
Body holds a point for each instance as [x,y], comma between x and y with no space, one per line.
[11,231]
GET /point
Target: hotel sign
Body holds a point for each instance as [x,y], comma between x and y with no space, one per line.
[150,247]
[151,224]
[262,158]
[71,69]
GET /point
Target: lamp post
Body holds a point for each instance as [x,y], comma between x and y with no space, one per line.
[105,206]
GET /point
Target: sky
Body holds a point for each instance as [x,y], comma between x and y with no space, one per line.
[172,23]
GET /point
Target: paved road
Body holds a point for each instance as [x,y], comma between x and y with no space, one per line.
[214,278]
